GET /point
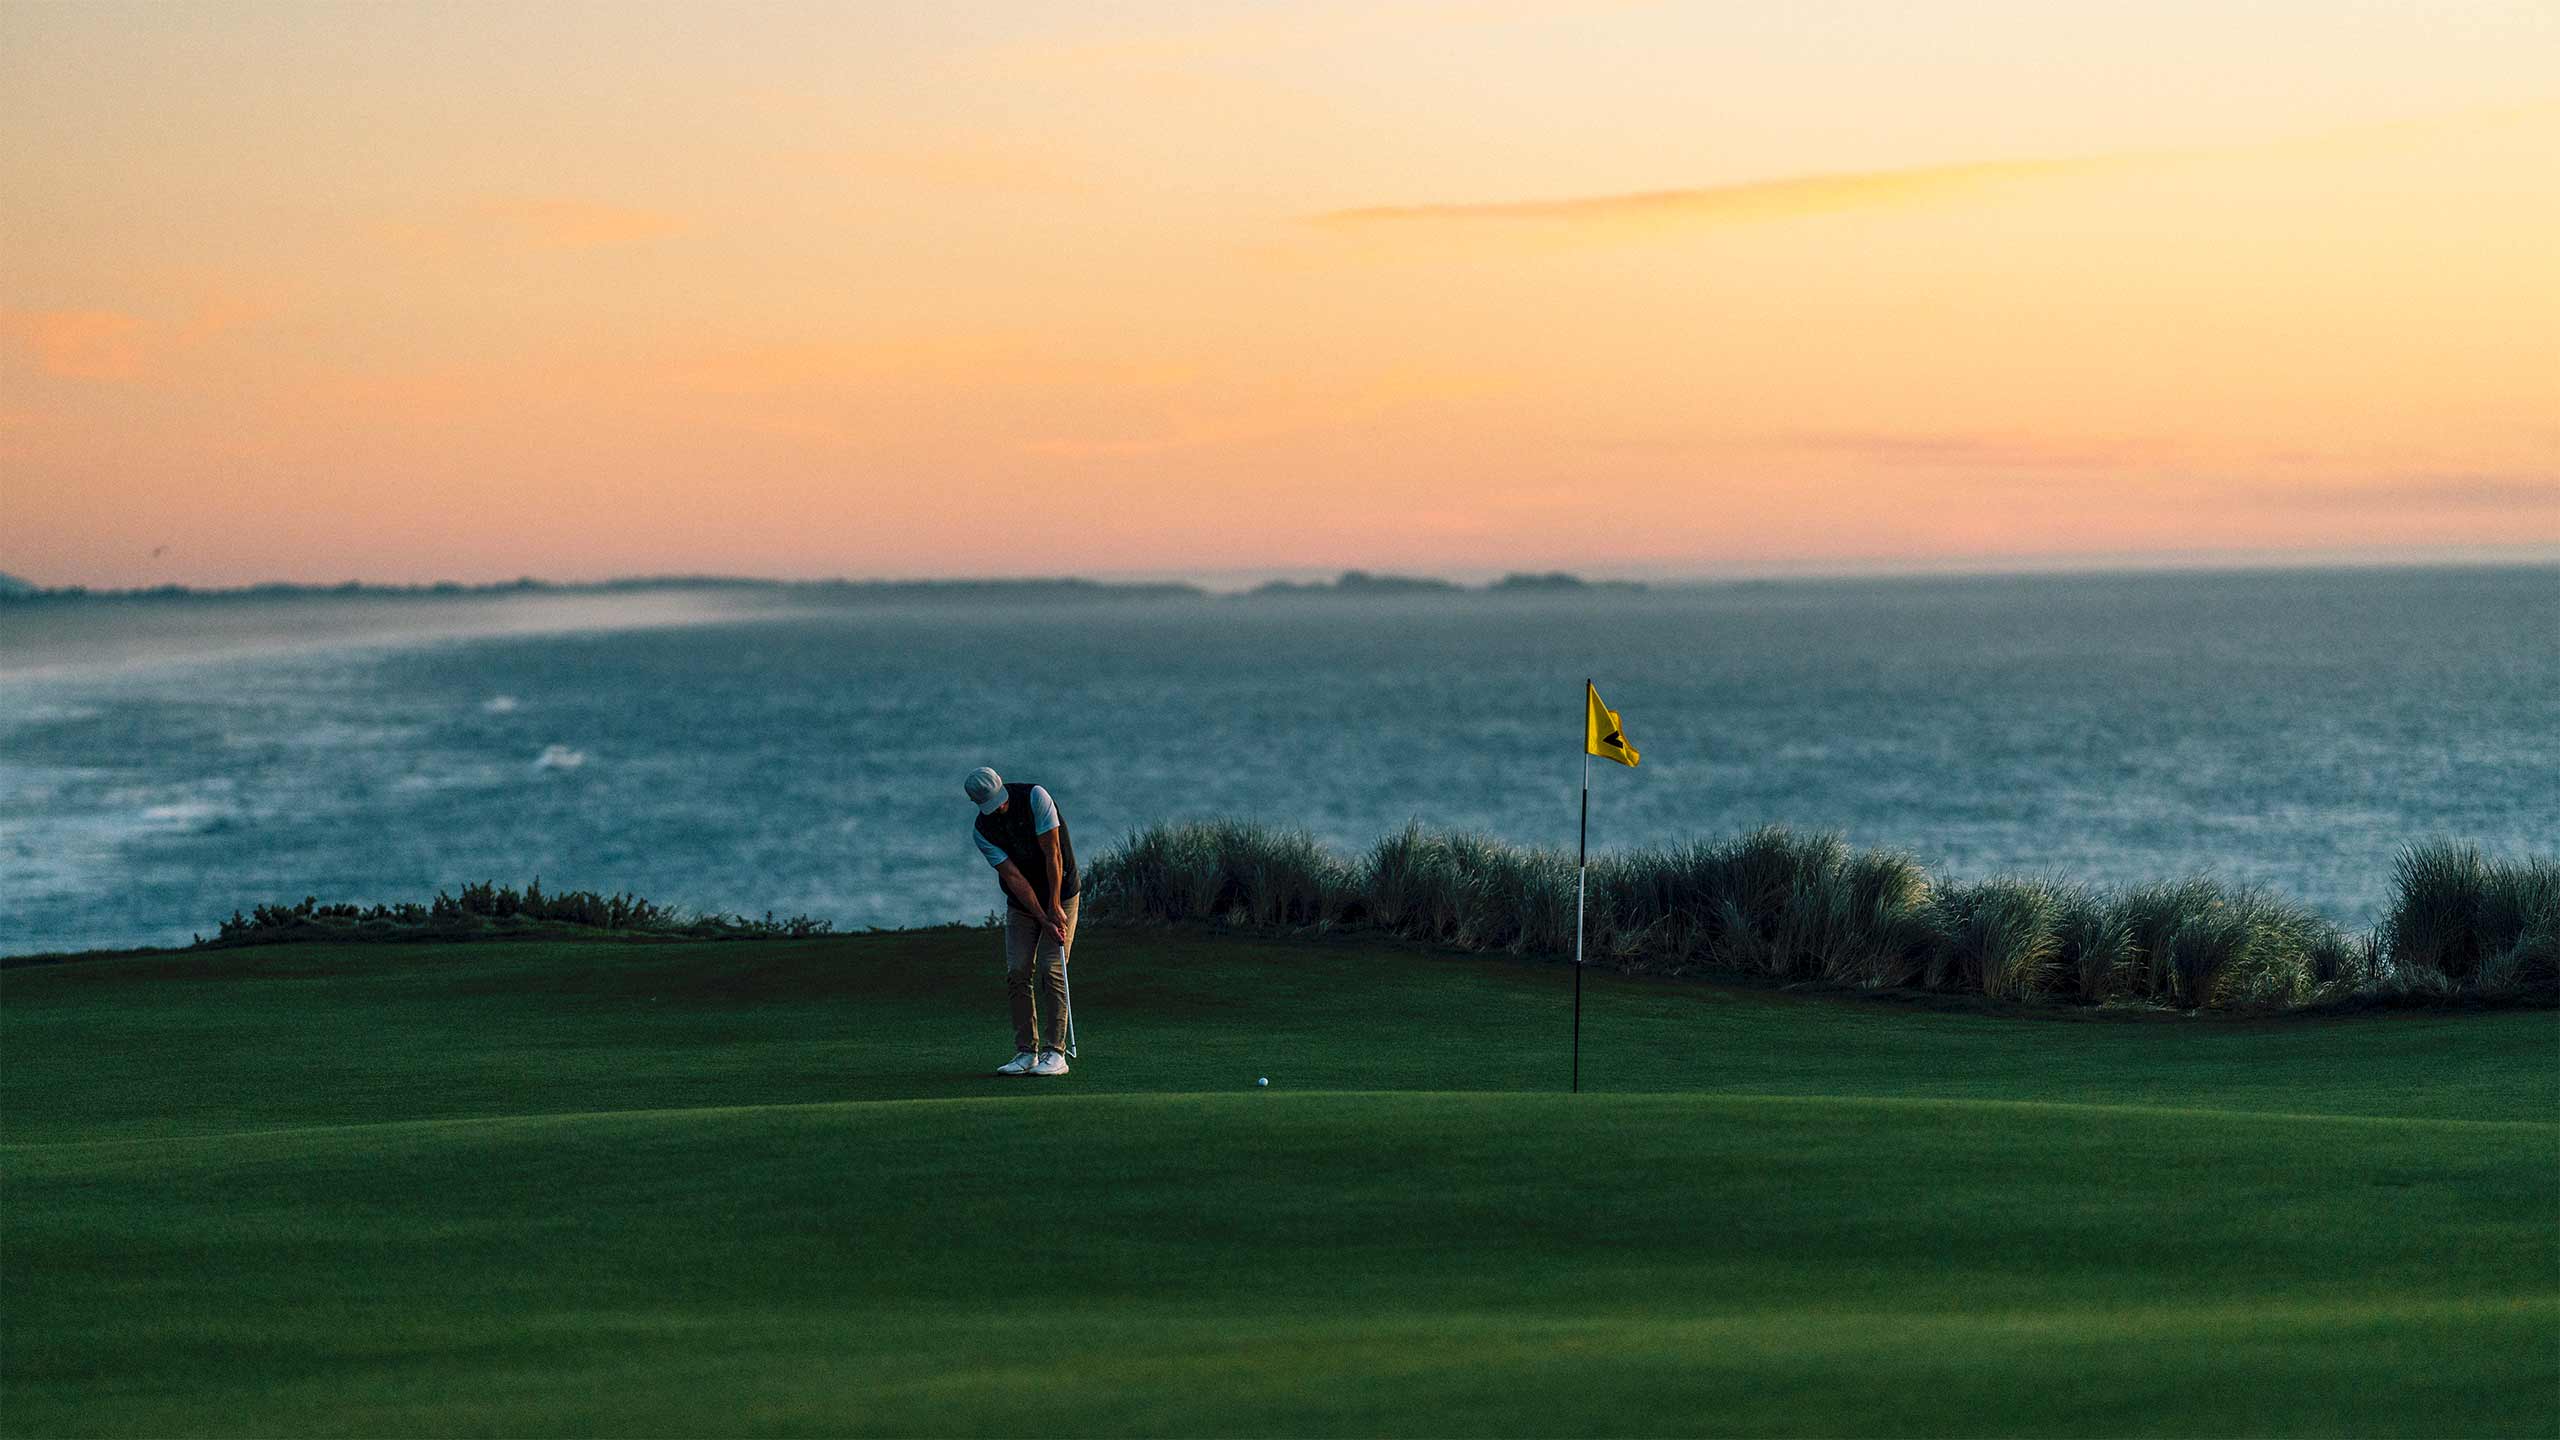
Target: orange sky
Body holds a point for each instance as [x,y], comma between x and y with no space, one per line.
[318,292]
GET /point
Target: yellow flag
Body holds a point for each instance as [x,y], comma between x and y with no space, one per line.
[1601,735]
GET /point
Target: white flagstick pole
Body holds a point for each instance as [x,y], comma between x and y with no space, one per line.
[1581,887]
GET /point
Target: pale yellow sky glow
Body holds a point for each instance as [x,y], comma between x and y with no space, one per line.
[414,293]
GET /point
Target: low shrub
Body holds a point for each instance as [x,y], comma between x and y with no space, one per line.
[1809,908]
[486,907]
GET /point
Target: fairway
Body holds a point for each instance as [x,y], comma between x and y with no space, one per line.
[702,1188]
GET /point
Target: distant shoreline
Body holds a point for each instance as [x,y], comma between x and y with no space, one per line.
[53,631]
[1047,588]
[79,629]
[1353,583]
[1350,583]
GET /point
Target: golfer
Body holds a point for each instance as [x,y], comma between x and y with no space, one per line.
[1022,835]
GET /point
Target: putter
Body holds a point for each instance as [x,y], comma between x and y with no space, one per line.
[1067,983]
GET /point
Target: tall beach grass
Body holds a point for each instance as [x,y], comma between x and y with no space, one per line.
[2465,921]
[1809,908]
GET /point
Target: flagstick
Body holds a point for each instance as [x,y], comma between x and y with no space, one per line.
[1581,888]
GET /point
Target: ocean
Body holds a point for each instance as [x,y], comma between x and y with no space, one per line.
[165,762]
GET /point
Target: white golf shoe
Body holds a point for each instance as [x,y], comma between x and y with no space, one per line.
[1022,1063]
[1051,1063]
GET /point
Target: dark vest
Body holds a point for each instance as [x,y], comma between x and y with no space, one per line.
[1009,830]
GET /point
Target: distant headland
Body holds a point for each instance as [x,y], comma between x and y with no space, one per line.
[1362,585]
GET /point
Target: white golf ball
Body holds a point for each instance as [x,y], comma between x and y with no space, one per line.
[1265,1080]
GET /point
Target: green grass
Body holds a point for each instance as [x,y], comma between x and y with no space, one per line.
[669,1188]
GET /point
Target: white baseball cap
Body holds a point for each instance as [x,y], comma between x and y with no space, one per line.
[985,789]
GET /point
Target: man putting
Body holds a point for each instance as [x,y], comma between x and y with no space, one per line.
[1021,833]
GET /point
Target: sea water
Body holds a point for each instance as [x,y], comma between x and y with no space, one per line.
[2291,729]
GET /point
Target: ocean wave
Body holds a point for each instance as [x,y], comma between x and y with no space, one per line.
[559,757]
[191,817]
[25,713]
[499,705]
[445,773]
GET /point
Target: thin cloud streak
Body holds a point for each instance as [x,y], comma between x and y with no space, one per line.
[1920,450]
[117,345]
[1983,451]
[1749,200]
[1787,197]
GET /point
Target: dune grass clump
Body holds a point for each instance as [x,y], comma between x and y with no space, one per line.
[1225,871]
[2463,920]
[2197,942]
[1774,903]
[2246,948]
[1470,892]
[2097,958]
[1808,908]
[2001,938]
[1884,925]
[1765,898]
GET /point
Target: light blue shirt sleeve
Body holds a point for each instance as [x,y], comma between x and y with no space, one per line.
[995,857]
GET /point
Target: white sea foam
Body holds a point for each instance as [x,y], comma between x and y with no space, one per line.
[449,773]
[20,710]
[114,634]
[188,816]
[559,757]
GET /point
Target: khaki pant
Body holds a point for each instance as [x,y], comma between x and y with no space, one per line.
[1032,953]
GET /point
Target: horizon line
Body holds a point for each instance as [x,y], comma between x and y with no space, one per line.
[1213,580]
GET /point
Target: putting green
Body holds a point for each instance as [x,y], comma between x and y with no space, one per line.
[684,1189]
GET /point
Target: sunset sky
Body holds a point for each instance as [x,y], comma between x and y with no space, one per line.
[408,293]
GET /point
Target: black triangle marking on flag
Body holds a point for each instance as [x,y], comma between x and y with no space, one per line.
[1614,737]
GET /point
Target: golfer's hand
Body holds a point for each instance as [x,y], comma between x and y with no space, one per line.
[1057,928]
